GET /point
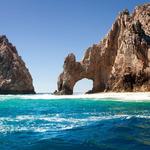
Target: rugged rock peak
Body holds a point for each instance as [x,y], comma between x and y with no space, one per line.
[120,62]
[14,76]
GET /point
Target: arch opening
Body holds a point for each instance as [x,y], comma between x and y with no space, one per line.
[82,86]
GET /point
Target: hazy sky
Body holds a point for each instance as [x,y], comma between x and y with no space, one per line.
[45,31]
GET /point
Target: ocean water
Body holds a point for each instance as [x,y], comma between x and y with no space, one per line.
[36,123]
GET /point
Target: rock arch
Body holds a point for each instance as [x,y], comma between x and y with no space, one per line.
[75,71]
[83,86]
[127,45]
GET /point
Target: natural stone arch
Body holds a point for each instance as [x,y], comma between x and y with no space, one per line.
[75,71]
[85,83]
[107,63]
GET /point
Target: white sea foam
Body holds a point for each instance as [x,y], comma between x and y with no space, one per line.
[131,96]
[54,123]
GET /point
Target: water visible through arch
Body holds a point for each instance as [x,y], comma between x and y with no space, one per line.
[83,86]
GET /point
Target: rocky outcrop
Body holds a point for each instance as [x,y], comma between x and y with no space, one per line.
[120,62]
[14,76]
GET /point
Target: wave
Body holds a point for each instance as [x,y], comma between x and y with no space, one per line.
[44,123]
[134,96]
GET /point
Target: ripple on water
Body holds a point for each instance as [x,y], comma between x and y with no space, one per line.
[44,123]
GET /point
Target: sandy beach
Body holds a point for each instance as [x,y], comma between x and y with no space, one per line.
[130,96]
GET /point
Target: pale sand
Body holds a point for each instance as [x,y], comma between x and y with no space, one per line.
[129,96]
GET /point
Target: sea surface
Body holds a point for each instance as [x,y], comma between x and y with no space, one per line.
[36,123]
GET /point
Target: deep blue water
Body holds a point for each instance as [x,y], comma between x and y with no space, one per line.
[73,124]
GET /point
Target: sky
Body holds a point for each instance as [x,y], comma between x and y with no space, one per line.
[46,31]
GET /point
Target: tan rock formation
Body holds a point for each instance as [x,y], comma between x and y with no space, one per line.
[120,62]
[14,76]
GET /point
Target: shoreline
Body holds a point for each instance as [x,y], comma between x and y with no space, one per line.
[126,96]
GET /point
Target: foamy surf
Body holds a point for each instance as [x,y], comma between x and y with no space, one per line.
[54,123]
[131,96]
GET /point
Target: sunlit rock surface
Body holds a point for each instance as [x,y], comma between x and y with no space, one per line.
[14,76]
[120,62]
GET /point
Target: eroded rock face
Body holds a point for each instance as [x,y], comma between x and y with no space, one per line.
[14,76]
[120,62]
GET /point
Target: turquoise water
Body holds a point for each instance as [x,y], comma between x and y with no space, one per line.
[73,124]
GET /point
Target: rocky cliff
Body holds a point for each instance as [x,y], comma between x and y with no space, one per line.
[120,62]
[14,76]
